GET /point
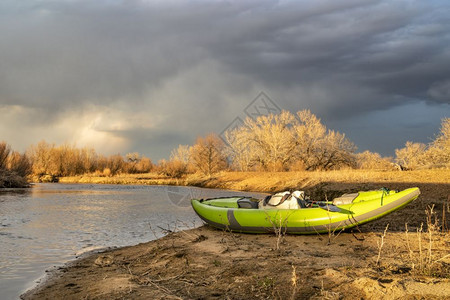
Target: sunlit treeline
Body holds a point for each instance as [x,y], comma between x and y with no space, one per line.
[434,154]
[297,142]
[68,160]
[283,142]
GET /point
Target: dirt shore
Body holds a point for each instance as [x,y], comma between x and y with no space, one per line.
[206,263]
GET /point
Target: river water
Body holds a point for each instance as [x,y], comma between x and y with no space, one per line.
[49,224]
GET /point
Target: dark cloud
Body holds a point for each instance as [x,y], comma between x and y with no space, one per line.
[176,69]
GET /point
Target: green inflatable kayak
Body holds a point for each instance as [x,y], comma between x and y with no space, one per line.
[308,217]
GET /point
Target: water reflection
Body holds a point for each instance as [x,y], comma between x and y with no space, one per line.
[51,223]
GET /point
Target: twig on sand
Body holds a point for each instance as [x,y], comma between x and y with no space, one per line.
[164,230]
[358,238]
[164,290]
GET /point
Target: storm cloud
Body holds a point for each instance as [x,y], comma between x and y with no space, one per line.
[149,75]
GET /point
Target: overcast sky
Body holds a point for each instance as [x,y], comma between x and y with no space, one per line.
[125,76]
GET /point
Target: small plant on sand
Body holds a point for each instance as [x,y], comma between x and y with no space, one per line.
[445,209]
[267,283]
[329,295]
[380,244]
[228,233]
[217,263]
[332,231]
[279,225]
[294,279]
[429,258]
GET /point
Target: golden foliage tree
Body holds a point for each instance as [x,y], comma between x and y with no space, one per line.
[68,160]
[14,167]
[5,149]
[41,157]
[372,161]
[279,142]
[436,154]
[208,154]
[182,153]
[411,156]
[439,150]
[19,163]
[144,165]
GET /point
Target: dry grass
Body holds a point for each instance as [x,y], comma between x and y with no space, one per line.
[274,181]
[425,252]
[145,179]
[271,181]
[431,255]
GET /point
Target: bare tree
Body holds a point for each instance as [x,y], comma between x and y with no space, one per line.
[14,167]
[208,154]
[5,149]
[238,149]
[89,160]
[132,160]
[310,136]
[272,140]
[19,164]
[439,150]
[412,156]
[182,153]
[116,164]
[372,161]
[40,156]
[319,148]
[279,142]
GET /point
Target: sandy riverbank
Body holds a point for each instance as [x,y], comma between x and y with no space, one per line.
[205,263]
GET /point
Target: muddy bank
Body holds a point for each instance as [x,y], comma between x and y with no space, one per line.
[205,263]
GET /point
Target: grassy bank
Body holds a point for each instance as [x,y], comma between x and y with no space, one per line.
[272,181]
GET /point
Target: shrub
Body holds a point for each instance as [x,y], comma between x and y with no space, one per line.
[20,164]
[373,161]
[412,156]
[14,167]
[173,168]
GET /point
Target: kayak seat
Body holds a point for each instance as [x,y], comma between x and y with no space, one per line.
[345,199]
[301,203]
[247,203]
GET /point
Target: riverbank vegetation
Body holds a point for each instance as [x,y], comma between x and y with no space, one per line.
[270,181]
[50,161]
[273,143]
[14,167]
[282,143]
